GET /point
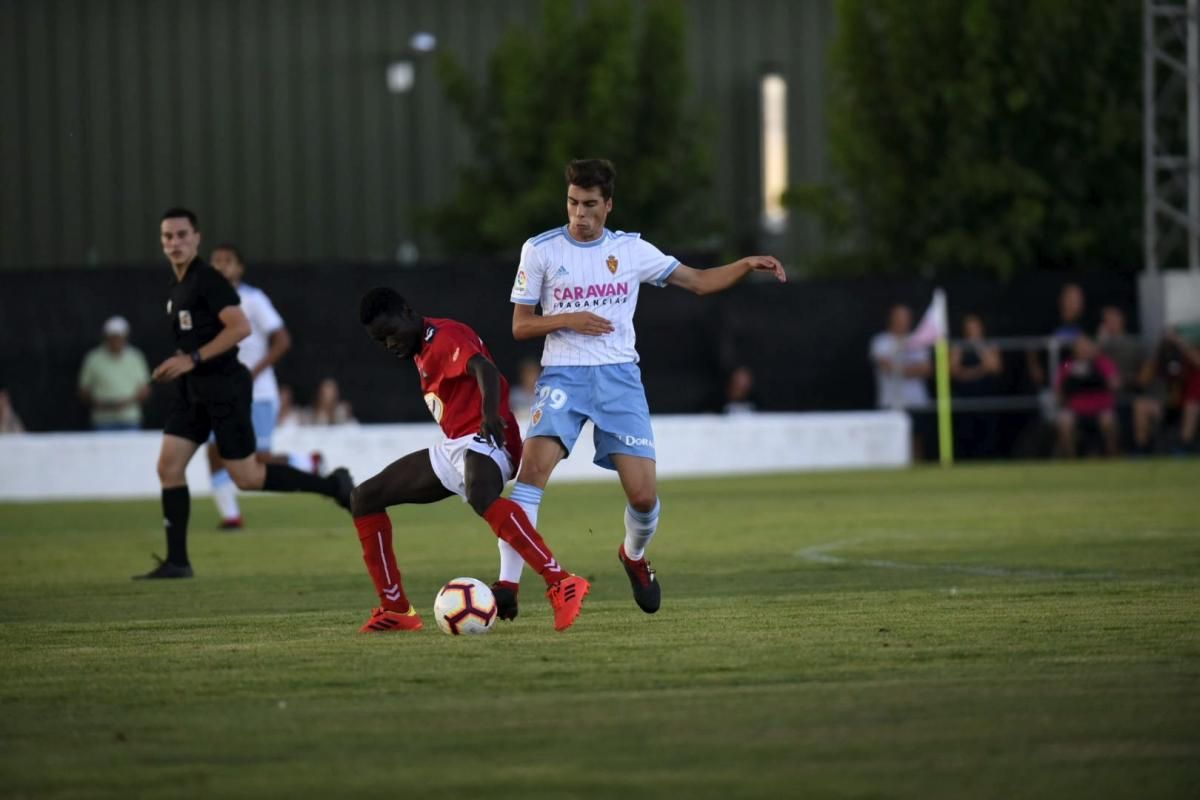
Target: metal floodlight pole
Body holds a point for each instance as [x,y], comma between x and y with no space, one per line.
[1193,136]
[1170,57]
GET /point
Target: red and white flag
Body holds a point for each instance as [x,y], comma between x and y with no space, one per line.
[934,324]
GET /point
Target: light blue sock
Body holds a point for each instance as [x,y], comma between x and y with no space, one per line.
[639,529]
[528,498]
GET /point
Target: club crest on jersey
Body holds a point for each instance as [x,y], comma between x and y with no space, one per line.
[429,332]
[612,264]
[185,320]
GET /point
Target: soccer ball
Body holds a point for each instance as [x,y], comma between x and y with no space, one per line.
[465,607]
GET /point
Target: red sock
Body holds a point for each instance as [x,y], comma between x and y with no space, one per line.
[510,524]
[375,536]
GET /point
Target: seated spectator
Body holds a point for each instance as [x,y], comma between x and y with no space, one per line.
[900,375]
[1170,381]
[1086,388]
[329,408]
[739,392]
[975,368]
[9,421]
[289,415]
[114,380]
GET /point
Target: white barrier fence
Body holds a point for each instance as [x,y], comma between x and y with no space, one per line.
[120,465]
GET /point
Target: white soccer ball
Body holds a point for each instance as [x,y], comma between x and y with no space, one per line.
[465,607]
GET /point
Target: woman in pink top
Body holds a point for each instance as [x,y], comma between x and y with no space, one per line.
[1086,386]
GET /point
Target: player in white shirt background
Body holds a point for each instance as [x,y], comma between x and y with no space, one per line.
[260,351]
[586,278]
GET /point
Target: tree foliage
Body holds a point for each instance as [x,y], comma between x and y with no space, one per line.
[983,135]
[607,83]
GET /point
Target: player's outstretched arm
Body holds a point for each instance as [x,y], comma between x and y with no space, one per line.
[718,279]
[528,325]
[488,377]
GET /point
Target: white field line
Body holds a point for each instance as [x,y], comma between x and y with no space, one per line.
[822,554]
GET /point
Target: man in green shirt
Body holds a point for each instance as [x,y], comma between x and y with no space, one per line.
[114,381]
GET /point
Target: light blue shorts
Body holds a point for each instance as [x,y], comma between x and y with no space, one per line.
[262,416]
[610,395]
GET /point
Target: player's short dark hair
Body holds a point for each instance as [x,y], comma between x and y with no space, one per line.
[378,302]
[588,172]
[232,248]
[176,212]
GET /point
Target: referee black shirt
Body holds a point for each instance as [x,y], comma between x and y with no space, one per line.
[194,305]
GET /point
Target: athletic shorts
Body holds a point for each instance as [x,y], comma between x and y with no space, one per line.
[449,460]
[262,415]
[610,395]
[218,404]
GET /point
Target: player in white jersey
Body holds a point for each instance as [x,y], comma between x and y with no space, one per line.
[260,351]
[586,280]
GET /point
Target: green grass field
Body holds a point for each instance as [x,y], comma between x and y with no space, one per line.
[1003,631]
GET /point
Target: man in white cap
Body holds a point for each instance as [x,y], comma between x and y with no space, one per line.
[114,380]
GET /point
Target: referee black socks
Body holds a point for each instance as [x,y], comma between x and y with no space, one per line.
[176,505]
[282,478]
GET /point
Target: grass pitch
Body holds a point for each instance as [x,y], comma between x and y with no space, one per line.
[1003,631]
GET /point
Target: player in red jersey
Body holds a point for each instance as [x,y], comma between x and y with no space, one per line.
[468,398]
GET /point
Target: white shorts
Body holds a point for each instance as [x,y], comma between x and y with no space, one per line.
[449,460]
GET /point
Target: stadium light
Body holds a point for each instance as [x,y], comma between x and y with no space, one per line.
[400,77]
[773,94]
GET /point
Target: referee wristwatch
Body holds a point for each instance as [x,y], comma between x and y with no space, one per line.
[196,357]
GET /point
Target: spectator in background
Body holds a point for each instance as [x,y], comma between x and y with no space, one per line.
[1171,388]
[739,392]
[1128,354]
[289,415]
[900,375]
[1086,388]
[9,421]
[329,407]
[1071,305]
[975,368]
[114,380]
[522,394]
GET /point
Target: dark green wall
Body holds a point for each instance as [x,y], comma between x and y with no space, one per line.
[271,118]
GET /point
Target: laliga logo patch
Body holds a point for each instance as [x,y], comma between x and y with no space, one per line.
[537,416]
[185,320]
[521,282]
[612,264]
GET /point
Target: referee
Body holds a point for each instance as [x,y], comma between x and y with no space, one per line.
[211,392]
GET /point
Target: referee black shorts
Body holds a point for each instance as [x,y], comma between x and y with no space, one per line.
[218,403]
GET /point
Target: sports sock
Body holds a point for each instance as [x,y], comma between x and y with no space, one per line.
[225,495]
[512,525]
[639,529]
[375,536]
[176,506]
[282,478]
[529,498]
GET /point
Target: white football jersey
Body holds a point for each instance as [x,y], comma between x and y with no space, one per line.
[264,320]
[602,277]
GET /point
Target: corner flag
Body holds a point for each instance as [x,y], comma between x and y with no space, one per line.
[934,329]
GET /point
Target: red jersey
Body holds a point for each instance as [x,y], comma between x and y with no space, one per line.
[451,391]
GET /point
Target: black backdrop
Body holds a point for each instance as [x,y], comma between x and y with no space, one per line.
[806,341]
